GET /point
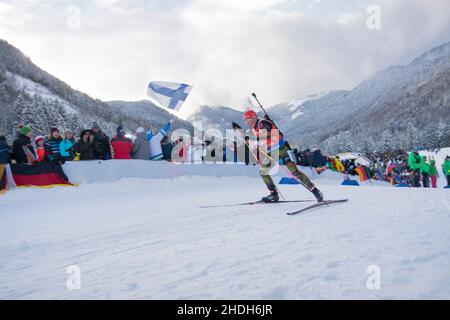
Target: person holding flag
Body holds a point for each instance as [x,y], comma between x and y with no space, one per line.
[154,140]
[169,95]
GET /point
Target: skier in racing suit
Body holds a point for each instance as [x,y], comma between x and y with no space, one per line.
[276,148]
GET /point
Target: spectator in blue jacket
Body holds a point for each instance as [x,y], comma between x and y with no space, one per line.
[5,151]
[66,147]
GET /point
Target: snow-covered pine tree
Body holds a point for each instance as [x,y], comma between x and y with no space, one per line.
[412,135]
[74,123]
[369,145]
[441,132]
[385,142]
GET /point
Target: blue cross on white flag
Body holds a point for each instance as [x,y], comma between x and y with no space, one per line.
[169,94]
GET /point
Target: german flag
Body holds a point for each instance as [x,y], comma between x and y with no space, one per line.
[362,173]
[332,165]
[43,174]
[3,179]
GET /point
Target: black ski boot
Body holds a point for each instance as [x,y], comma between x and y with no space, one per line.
[319,196]
[273,197]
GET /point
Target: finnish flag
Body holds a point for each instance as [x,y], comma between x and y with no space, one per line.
[169,94]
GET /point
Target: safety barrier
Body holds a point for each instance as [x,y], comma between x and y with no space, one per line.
[349,182]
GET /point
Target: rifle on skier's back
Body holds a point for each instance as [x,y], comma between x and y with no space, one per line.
[266,115]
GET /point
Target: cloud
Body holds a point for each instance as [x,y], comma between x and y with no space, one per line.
[349,18]
[7,14]
[282,49]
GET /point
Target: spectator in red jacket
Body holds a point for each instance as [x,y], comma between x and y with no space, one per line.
[40,148]
[122,146]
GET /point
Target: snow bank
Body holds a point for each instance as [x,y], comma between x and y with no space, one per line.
[113,170]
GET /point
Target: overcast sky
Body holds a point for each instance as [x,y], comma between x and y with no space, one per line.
[282,49]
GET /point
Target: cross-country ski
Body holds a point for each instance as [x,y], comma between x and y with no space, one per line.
[252,203]
[317,205]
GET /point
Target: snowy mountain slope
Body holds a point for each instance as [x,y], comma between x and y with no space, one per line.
[216,117]
[378,111]
[311,122]
[35,89]
[154,242]
[143,108]
[296,108]
[31,95]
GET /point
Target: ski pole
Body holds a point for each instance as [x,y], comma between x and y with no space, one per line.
[238,127]
[257,160]
[286,170]
[256,157]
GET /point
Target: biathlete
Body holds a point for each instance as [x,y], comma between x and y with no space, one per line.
[262,129]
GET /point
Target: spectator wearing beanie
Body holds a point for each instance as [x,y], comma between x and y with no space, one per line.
[141,148]
[122,146]
[23,149]
[102,148]
[85,146]
[52,142]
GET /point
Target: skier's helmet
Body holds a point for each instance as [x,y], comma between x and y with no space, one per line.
[250,114]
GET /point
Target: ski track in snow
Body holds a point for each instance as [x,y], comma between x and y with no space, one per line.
[148,239]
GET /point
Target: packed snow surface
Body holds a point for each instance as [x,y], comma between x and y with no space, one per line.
[149,239]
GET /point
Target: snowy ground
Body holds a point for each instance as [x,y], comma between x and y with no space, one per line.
[148,239]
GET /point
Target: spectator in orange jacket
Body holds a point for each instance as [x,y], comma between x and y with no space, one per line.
[40,148]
